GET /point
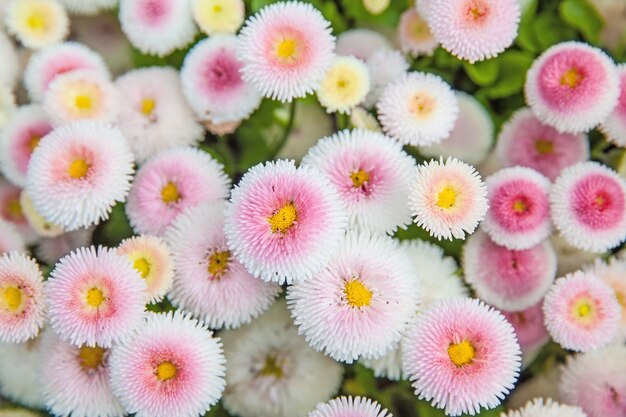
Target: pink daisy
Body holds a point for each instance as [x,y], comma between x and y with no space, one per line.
[19,138]
[349,407]
[572,86]
[613,273]
[361,43]
[360,303]
[371,173]
[10,238]
[209,282]
[530,330]
[414,34]
[474,29]
[284,223]
[286,49]
[22,306]
[525,141]
[614,126]
[519,209]
[588,206]
[78,173]
[581,312]
[95,297]
[539,407]
[461,355]
[171,181]
[173,366]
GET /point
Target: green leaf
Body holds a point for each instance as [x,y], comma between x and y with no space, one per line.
[584,17]
[527,38]
[549,29]
[115,229]
[483,73]
[513,68]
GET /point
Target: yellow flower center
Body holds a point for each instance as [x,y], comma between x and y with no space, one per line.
[91,357]
[359,178]
[357,294]
[519,206]
[143,266]
[477,11]
[83,102]
[33,142]
[583,310]
[78,169]
[421,105]
[217,8]
[571,78]
[12,298]
[621,298]
[95,297]
[36,21]
[544,146]
[283,219]
[169,193]
[271,367]
[147,106]
[218,263]
[166,370]
[446,198]
[461,353]
[14,209]
[287,49]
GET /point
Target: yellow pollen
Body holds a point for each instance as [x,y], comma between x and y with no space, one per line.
[83,102]
[217,8]
[33,142]
[14,208]
[95,298]
[477,12]
[166,370]
[283,219]
[359,178]
[218,263]
[571,78]
[599,201]
[286,49]
[91,357]
[421,105]
[461,353]
[621,298]
[519,206]
[78,169]
[143,266]
[36,21]
[147,106]
[584,310]
[357,294]
[446,198]
[13,298]
[169,193]
[272,368]
[544,146]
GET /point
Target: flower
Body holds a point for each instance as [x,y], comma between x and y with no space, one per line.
[284,224]
[414,34]
[546,408]
[581,312]
[385,66]
[418,109]
[212,83]
[157,27]
[461,355]
[218,16]
[349,406]
[588,206]
[345,85]
[572,86]
[613,273]
[286,48]
[363,119]
[209,282]
[20,377]
[171,181]
[530,330]
[10,238]
[448,199]
[36,23]
[154,114]
[40,225]
[360,43]
[525,141]
[95,297]
[22,306]
[359,305]
[173,366]
[78,173]
[272,371]
[371,174]
[614,125]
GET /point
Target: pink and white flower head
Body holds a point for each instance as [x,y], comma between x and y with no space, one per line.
[581,312]
[588,206]
[510,280]
[51,249]
[19,138]
[20,377]
[345,85]
[474,30]
[213,84]
[461,355]
[22,305]
[448,199]
[39,225]
[613,273]
[414,34]
[209,282]
[11,67]
[88,7]
[472,136]
[154,114]
[78,173]
[286,49]
[418,109]
[157,27]
[371,174]
[11,210]
[546,408]
[519,208]
[530,330]
[572,86]
[152,258]
[10,238]
[75,380]
[284,223]
[45,65]
[37,24]
[171,181]
[95,297]
[525,141]
[172,366]
[614,126]
[361,43]
[359,305]
[596,382]
[385,66]
[349,407]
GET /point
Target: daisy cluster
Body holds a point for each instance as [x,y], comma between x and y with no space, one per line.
[260,209]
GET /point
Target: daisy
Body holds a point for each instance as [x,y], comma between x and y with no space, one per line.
[588,206]
[371,174]
[349,407]
[474,30]
[20,379]
[88,7]
[78,173]
[546,408]
[218,16]
[10,238]
[95,297]
[36,23]
[35,220]
[157,27]
[345,85]
[212,83]
[209,282]
[10,69]
[51,249]
[360,303]
[75,380]
[286,48]
[151,257]
[361,43]
[572,86]
[171,181]
[462,355]
[154,114]
[272,371]
[530,330]
[525,141]
[284,224]
[414,34]
[614,125]
[581,312]
[448,199]
[173,366]
[385,66]
[418,109]
[613,273]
